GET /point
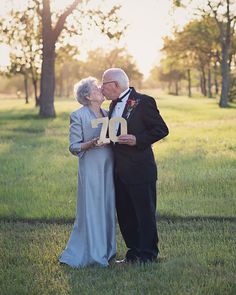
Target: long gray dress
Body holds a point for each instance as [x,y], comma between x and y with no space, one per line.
[93,237]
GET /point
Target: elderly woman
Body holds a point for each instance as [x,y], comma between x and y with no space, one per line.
[93,236]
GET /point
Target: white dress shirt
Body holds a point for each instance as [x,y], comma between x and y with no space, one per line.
[120,106]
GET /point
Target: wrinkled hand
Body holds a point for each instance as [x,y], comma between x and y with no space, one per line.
[128,139]
[101,144]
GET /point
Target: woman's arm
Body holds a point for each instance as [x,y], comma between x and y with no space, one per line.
[88,144]
[77,145]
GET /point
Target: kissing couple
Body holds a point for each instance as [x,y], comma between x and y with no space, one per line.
[118,178]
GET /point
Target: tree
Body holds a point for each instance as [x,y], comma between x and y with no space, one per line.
[99,59]
[172,65]
[20,30]
[195,47]
[199,40]
[50,35]
[225,19]
[68,69]
[53,29]
[226,25]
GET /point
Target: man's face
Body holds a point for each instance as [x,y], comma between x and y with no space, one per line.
[110,88]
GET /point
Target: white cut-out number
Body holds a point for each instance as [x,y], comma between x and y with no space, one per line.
[112,128]
[104,121]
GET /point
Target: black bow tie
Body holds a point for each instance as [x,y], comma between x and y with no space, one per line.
[119,99]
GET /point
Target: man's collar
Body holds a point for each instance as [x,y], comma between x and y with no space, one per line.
[126,90]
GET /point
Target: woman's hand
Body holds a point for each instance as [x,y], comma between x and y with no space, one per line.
[89,144]
[101,144]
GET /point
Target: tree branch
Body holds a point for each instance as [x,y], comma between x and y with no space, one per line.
[61,21]
[216,16]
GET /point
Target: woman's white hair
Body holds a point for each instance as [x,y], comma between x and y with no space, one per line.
[119,75]
[83,88]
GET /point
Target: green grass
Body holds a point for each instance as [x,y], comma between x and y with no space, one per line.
[198,261]
[196,204]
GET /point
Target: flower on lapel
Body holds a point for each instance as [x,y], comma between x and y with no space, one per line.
[131,104]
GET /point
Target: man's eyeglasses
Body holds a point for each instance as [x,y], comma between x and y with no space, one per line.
[104,83]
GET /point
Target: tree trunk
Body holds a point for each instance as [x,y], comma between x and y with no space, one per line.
[169,87]
[35,85]
[225,76]
[189,83]
[176,88]
[68,87]
[47,86]
[26,89]
[60,86]
[50,36]
[215,79]
[47,83]
[203,82]
[209,83]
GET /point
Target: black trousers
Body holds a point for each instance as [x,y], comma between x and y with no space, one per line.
[136,213]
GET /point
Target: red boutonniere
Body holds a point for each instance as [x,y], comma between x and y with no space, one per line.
[131,104]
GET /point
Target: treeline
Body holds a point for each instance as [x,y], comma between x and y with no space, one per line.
[203,53]
[201,56]
[69,70]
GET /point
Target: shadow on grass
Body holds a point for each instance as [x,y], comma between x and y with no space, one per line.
[232,106]
[15,115]
[167,218]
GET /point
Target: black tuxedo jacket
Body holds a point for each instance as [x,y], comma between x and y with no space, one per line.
[136,164]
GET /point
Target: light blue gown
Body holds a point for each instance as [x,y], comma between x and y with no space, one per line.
[93,237]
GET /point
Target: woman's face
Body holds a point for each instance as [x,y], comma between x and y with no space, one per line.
[96,94]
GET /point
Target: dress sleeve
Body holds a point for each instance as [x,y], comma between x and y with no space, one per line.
[76,135]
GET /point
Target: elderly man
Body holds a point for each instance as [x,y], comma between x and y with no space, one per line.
[135,167]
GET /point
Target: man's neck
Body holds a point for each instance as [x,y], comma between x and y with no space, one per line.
[122,93]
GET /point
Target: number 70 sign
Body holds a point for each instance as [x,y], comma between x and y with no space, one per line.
[111,126]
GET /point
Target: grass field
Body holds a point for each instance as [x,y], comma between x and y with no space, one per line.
[196,204]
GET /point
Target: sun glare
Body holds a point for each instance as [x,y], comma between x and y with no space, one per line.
[148,21]
[4,55]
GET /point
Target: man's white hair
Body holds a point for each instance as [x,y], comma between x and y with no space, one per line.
[118,75]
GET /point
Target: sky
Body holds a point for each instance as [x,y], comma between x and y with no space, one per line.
[148,22]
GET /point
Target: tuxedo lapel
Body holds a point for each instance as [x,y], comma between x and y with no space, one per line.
[131,105]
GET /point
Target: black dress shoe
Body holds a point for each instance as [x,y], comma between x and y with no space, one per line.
[122,261]
[147,260]
[127,260]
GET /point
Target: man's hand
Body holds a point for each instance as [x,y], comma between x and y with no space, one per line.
[128,139]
